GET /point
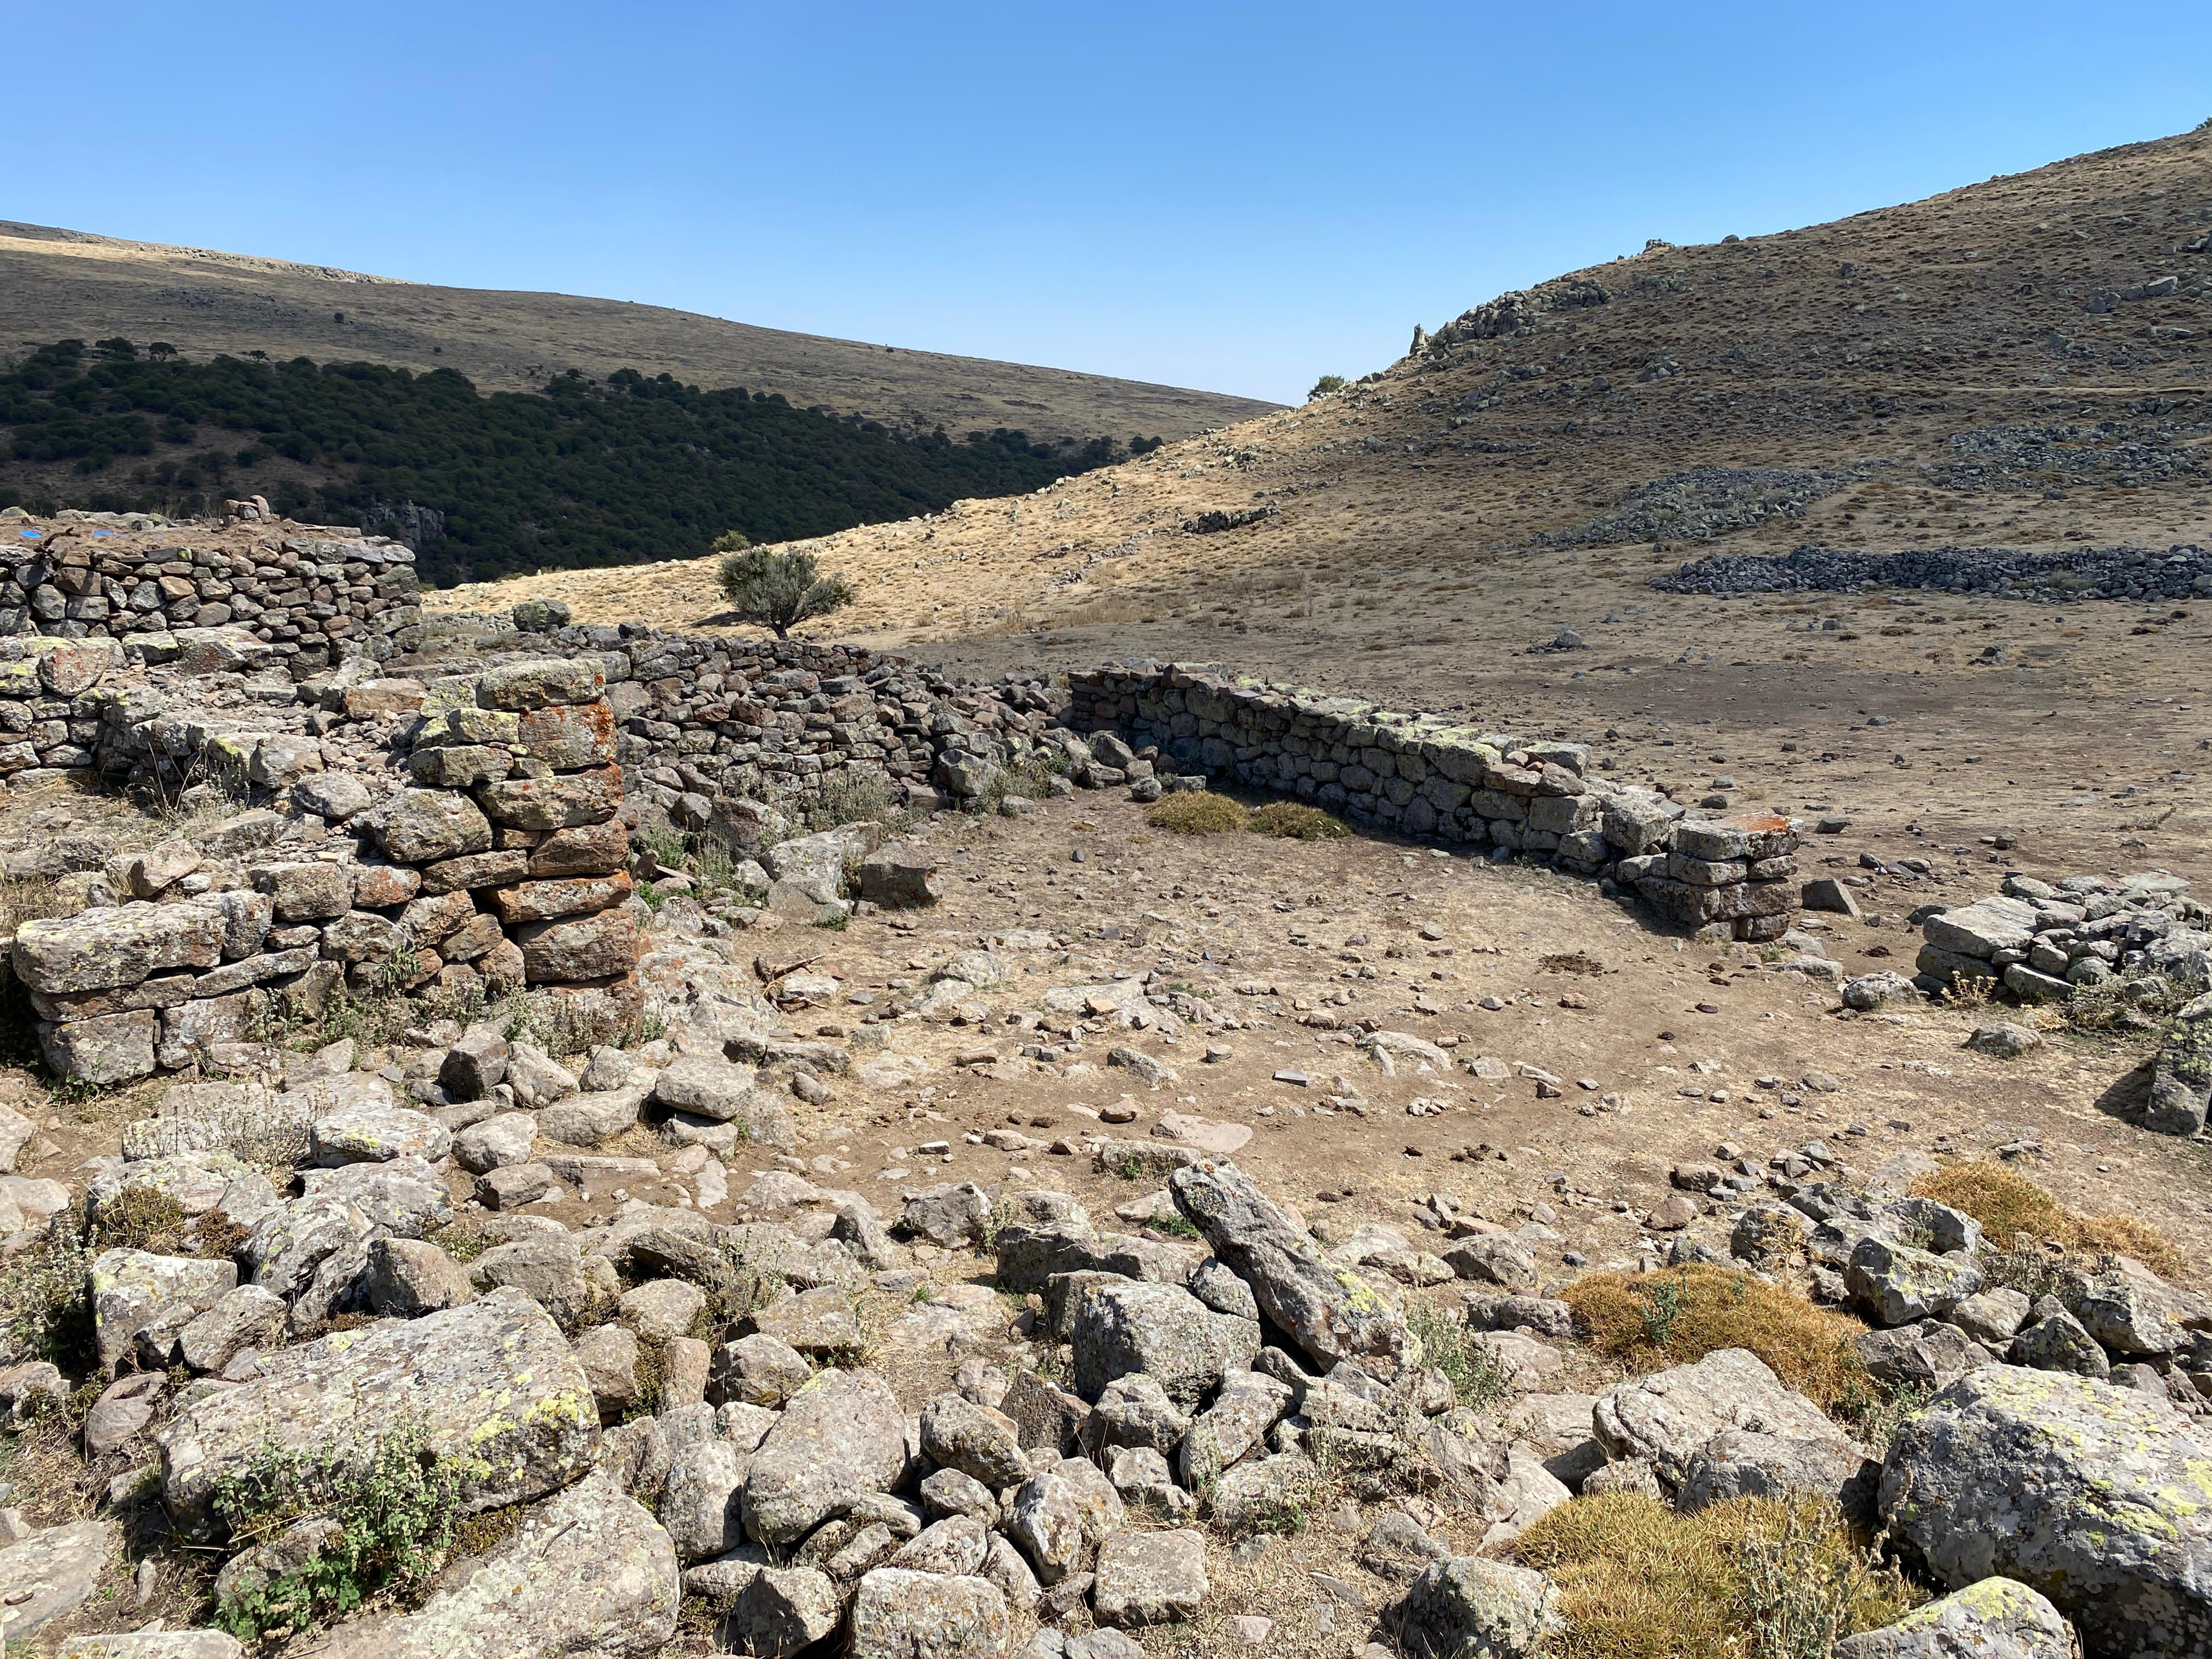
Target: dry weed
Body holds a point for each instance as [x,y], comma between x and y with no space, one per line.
[1294,822]
[1648,1321]
[1197,813]
[1751,1578]
[2006,1203]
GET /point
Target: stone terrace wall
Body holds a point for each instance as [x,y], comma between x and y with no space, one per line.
[718,732]
[1423,775]
[497,861]
[312,597]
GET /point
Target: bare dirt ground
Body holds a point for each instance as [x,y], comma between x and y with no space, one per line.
[57,283]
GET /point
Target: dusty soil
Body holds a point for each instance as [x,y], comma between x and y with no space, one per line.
[57,283]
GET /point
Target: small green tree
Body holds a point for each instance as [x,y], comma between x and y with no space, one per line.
[732,541]
[781,590]
[159,350]
[1326,384]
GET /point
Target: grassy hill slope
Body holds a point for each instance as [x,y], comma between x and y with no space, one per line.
[56,284]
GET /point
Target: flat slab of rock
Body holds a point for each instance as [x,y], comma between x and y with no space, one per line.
[1150,1577]
[154,1644]
[492,1382]
[589,1573]
[50,1574]
[2096,1496]
[1668,1417]
[898,1615]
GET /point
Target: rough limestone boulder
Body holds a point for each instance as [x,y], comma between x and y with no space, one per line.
[1150,1577]
[1466,1607]
[589,1573]
[1668,1417]
[2097,1496]
[491,1384]
[1996,1619]
[1328,1310]
[841,1439]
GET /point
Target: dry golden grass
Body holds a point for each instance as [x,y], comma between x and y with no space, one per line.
[1751,1578]
[1650,1320]
[1197,814]
[1294,822]
[2006,1203]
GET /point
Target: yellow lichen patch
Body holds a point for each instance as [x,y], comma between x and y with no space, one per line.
[1648,1321]
[2006,1203]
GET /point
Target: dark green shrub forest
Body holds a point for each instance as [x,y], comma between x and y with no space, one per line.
[580,474]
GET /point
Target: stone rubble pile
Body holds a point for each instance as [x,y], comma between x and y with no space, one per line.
[690,1407]
[1423,775]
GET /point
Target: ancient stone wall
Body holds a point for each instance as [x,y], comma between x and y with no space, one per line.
[497,861]
[312,597]
[1424,776]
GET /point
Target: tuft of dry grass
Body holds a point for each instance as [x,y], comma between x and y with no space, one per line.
[2006,1202]
[1650,1320]
[1293,821]
[1195,813]
[1753,1578]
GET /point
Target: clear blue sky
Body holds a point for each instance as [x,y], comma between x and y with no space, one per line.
[1238,197]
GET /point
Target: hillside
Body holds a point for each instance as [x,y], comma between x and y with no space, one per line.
[577,473]
[57,284]
[2020,365]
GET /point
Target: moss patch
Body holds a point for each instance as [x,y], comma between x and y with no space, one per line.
[1294,822]
[1195,813]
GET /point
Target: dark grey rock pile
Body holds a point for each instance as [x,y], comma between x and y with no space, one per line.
[1704,501]
[2107,573]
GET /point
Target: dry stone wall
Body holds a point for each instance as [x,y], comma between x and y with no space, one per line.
[314,598]
[475,846]
[1427,776]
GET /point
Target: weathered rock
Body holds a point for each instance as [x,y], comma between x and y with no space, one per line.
[2055,1341]
[1265,1493]
[1150,1577]
[405,1196]
[542,683]
[817,1322]
[781,1610]
[1670,1416]
[1898,1284]
[899,877]
[1996,1619]
[2097,1496]
[123,1411]
[1930,1355]
[1466,1607]
[1134,1410]
[492,1382]
[241,1319]
[898,1615]
[1162,1330]
[978,1442]
[842,1436]
[757,1370]
[377,1134]
[955,1544]
[153,1644]
[1232,1427]
[661,1308]
[1992,1318]
[716,1090]
[1330,1311]
[950,1215]
[1744,1463]
[410,1277]
[2133,1315]
[699,1504]
[1395,1548]
[588,1574]
[547,1268]
[496,1142]
[129,1287]
[426,826]
[106,946]
[52,1573]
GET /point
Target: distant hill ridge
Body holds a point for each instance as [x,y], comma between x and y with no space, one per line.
[57,283]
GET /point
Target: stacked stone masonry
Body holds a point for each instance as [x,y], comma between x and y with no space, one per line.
[314,598]
[1423,775]
[496,860]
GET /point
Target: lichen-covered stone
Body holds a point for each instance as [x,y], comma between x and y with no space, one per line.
[492,1385]
[1328,1310]
[899,1614]
[1466,1607]
[116,945]
[1150,1577]
[1670,1415]
[2099,1498]
[542,683]
[588,1576]
[1161,1330]
[1996,1619]
[128,1287]
[50,1574]
[842,1438]
[1898,1284]
[423,826]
